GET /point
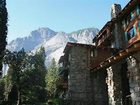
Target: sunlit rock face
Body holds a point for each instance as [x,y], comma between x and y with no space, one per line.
[53,42]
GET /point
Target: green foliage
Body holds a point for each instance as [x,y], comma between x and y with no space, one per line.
[26,78]
[2,89]
[55,101]
[16,62]
[33,81]
[3,30]
[52,78]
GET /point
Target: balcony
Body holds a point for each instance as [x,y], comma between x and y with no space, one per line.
[132,32]
[104,39]
[100,55]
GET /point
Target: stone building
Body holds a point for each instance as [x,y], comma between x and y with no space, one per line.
[109,72]
[78,60]
[122,32]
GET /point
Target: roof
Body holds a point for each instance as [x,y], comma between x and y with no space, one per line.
[108,24]
[105,26]
[124,11]
[70,45]
[127,8]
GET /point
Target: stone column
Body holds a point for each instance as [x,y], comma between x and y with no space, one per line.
[134,77]
[99,87]
[79,84]
[114,84]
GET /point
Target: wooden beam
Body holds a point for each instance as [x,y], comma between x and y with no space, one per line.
[123,53]
[132,50]
[137,45]
[116,57]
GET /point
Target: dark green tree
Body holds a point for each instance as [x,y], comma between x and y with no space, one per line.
[33,82]
[3,30]
[2,90]
[25,83]
[16,62]
[52,78]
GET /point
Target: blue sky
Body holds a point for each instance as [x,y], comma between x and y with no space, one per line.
[58,15]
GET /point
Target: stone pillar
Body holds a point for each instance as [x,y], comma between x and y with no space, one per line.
[118,34]
[79,84]
[109,81]
[99,86]
[115,10]
[134,77]
[114,84]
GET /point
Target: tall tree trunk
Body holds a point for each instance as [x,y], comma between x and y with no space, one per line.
[18,88]
[0,69]
[3,30]
[19,97]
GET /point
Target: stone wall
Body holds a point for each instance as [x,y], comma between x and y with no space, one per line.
[79,86]
[134,77]
[123,82]
[99,87]
[115,85]
[113,81]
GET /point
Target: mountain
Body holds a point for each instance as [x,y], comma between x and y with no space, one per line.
[30,42]
[53,42]
[85,35]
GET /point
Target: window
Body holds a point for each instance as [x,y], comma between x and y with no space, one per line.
[126,39]
[69,58]
[139,25]
[133,14]
[128,20]
[94,53]
[131,33]
[138,10]
[123,24]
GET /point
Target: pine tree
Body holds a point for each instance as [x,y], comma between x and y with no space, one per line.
[25,82]
[16,62]
[52,78]
[3,30]
[34,80]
